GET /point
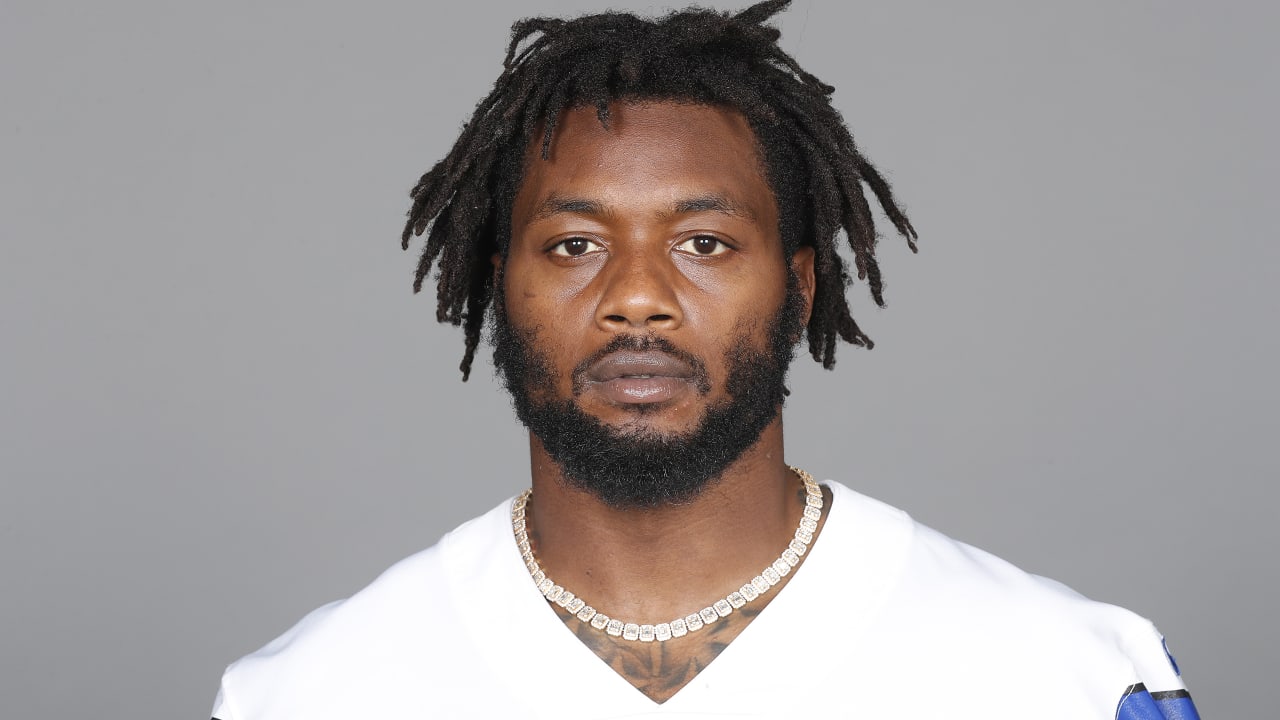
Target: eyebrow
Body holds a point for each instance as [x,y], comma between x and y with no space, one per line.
[711,202]
[558,204]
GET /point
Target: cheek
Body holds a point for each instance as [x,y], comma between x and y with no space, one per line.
[553,313]
[740,319]
[532,278]
[726,302]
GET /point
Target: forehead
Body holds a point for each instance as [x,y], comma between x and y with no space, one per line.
[651,152]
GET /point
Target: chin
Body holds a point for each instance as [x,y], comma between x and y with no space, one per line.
[668,421]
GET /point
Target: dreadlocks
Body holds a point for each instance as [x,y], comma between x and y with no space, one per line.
[702,56]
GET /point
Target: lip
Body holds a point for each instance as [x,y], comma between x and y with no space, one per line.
[638,364]
[643,377]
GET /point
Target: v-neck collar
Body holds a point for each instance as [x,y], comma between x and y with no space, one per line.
[834,595]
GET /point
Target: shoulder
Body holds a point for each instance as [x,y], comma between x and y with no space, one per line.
[942,579]
[980,624]
[1007,605]
[371,645]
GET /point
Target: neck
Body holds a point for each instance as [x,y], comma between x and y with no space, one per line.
[655,563]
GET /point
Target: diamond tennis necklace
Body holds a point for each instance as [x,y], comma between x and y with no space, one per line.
[692,622]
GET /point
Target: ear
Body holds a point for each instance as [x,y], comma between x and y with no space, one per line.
[496,261]
[802,266]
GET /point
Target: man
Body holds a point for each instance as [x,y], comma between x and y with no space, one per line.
[647,212]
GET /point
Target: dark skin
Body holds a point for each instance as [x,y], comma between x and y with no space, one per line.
[662,223]
[661,669]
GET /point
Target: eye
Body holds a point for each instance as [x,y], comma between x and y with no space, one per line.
[704,245]
[576,247]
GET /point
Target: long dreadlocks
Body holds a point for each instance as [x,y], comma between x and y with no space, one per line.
[723,59]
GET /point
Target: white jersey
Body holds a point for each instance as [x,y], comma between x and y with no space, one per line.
[885,619]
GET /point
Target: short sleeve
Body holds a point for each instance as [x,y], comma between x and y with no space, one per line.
[1161,694]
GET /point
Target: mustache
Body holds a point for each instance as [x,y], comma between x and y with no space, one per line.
[643,343]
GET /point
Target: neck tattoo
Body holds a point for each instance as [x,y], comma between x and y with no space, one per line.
[681,626]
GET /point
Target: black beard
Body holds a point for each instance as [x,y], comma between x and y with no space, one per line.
[644,469]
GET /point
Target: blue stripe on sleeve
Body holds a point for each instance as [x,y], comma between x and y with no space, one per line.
[1138,704]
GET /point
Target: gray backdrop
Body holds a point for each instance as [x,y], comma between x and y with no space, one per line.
[221,407]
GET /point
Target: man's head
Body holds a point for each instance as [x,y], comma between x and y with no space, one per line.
[663,193]
[646,310]
[718,59]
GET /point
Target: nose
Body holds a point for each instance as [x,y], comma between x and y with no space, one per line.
[639,294]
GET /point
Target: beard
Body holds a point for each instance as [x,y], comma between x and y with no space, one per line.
[633,467]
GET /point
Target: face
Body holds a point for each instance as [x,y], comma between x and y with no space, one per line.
[647,311]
